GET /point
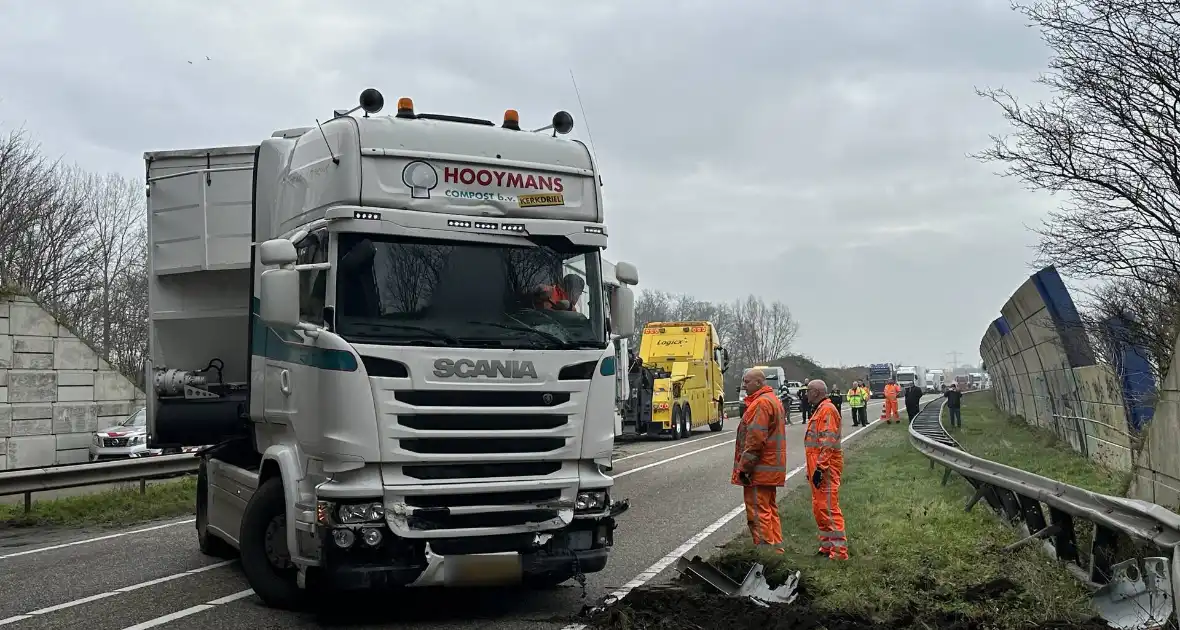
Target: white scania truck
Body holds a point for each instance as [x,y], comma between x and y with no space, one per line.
[350,313]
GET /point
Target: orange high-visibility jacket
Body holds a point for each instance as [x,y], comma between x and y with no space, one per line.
[761,445]
[892,390]
[821,442]
[551,294]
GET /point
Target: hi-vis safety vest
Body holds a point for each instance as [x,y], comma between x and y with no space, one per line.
[856,397]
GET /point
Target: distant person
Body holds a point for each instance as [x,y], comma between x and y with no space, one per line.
[825,468]
[889,410]
[837,401]
[913,400]
[953,399]
[858,400]
[760,460]
[784,397]
[804,406]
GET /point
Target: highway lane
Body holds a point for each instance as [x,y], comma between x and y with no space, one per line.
[677,490]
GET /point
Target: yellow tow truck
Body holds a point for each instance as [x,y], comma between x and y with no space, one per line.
[676,384]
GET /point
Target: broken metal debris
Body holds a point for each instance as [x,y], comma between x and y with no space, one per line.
[1137,598]
[753,586]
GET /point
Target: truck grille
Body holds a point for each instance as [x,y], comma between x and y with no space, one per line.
[122,441]
[443,520]
[472,446]
[480,422]
[522,497]
[469,398]
[448,472]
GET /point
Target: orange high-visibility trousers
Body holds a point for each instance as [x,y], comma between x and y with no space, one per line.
[762,516]
[829,519]
[889,411]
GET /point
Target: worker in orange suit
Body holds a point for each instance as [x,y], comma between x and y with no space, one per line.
[889,410]
[760,459]
[825,467]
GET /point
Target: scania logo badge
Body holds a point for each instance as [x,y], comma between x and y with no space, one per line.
[547,399]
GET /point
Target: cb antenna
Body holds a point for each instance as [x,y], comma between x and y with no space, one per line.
[589,134]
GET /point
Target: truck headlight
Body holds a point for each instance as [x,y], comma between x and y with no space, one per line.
[135,441]
[591,501]
[355,513]
[97,441]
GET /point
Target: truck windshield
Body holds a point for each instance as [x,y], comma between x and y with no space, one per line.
[544,294]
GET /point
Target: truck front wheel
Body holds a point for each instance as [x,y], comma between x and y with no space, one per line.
[720,424]
[265,557]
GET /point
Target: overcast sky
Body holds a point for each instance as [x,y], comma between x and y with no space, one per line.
[810,152]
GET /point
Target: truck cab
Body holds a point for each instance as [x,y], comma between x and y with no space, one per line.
[393,330]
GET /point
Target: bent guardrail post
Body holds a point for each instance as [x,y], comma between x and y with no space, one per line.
[1126,594]
[30,480]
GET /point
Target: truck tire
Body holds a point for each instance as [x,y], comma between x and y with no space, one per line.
[209,543]
[676,423]
[720,424]
[687,417]
[265,558]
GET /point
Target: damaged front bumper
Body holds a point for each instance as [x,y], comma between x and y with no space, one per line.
[373,555]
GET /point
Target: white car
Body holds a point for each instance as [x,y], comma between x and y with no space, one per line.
[123,440]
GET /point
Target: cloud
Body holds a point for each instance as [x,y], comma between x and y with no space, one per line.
[813,153]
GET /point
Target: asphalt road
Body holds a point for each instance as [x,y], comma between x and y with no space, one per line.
[154,576]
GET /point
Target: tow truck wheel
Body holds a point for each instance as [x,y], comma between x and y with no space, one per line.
[209,544]
[265,557]
[687,417]
[676,433]
[720,424]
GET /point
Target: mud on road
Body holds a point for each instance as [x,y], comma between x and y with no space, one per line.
[686,606]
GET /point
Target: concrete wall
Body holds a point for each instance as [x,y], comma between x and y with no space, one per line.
[54,390]
[1043,370]
[1157,468]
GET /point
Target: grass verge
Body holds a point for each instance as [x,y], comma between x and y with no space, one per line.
[120,506]
[917,559]
[991,433]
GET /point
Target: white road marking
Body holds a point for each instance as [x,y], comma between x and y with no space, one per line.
[673,445]
[87,541]
[670,459]
[191,610]
[118,591]
[654,570]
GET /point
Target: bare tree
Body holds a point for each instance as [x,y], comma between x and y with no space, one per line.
[1109,138]
[114,208]
[764,331]
[44,247]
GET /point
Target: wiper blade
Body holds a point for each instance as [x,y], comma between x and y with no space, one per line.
[437,334]
[525,328]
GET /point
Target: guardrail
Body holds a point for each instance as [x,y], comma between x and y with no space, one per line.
[1128,594]
[29,480]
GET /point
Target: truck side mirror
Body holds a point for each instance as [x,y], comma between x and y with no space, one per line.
[278,296]
[626,273]
[623,312]
[724,359]
[277,252]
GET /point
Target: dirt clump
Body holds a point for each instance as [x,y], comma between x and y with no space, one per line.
[685,607]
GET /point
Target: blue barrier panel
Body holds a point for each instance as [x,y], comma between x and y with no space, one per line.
[1134,372]
[1065,317]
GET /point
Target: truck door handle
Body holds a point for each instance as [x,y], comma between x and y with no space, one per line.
[285,382]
